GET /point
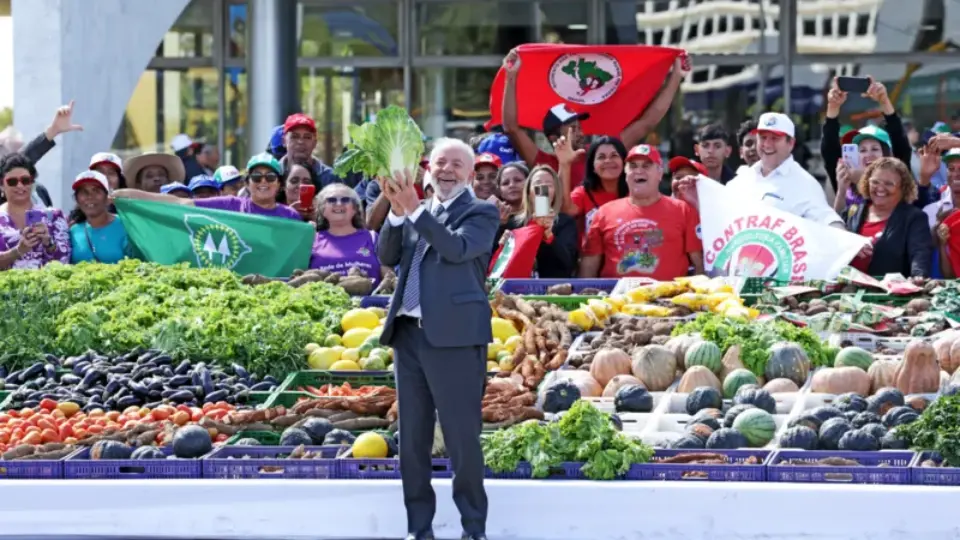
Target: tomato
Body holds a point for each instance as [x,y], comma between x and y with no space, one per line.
[32,438]
[48,404]
[45,423]
[224,405]
[196,414]
[50,435]
[13,413]
[217,414]
[32,429]
[70,440]
[26,413]
[144,412]
[207,407]
[129,424]
[79,434]
[65,431]
[162,412]
[111,428]
[221,437]
[95,429]
[58,414]
[131,409]
[183,408]
[95,412]
[113,415]
[15,423]
[4,418]
[181,418]
[4,436]
[68,408]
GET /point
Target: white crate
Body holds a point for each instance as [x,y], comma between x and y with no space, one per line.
[670,427]
[676,403]
[870,342]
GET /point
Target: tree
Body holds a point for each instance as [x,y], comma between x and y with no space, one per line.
[6,117]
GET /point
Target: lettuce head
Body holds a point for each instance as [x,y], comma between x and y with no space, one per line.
[392,142]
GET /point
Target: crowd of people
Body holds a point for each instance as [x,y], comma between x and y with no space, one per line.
[601,201]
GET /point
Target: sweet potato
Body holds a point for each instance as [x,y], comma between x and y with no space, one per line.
[563,289]
[304,279]
[356,286]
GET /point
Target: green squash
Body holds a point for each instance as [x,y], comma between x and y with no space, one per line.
[757,426]
[788,361]
[853,357]
[706,354]
[737,378]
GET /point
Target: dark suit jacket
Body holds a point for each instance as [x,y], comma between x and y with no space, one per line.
[453,302]
[906,245]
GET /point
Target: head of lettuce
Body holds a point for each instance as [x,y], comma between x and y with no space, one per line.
[391,142]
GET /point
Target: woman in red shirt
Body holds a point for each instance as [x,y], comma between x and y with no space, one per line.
[604,180]
[645,234]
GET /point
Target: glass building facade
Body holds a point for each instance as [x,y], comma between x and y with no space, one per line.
[438,58]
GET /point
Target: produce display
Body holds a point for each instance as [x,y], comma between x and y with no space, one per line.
[206,315]
[357,348]
[355,283]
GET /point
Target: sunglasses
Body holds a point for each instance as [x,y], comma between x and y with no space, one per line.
[256,178]
[14,181]
[339,200]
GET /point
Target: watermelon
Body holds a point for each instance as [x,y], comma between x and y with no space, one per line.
[735,379]
[756,425]
[853,357]
[706,354]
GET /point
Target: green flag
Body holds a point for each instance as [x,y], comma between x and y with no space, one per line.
[247,244]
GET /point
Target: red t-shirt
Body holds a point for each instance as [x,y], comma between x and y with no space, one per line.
[873,231]
[588,209]
[577,170]
[644,241]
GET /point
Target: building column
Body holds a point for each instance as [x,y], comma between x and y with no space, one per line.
[273,82]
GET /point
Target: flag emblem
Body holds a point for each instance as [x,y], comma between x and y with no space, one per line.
[587,79]
[214,244]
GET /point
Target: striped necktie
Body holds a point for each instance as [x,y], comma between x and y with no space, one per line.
[411,291]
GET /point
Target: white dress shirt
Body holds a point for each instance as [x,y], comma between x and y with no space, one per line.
[788,187]
[397,221]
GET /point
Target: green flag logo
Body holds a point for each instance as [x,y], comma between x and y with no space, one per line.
[214,244]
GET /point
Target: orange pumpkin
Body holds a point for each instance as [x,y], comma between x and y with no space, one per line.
[882,374]
[656,366]
[943,347]
[607,363]
[588,386]
[918,372]
[777,386]
[840,381]
[698,376]
[952,361]
[610,390]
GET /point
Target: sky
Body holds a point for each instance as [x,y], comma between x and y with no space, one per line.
[6,62]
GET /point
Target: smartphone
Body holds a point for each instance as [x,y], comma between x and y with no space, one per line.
[857,85]
[541,201]
[34,217]
[307,192]
[851,156]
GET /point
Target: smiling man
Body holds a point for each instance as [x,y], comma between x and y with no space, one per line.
[644,234]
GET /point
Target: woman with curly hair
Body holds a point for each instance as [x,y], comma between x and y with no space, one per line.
[898,231]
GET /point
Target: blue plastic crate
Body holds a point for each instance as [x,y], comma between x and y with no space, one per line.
[885,467]
[389,468]
[378,300]
[933,476]
[31,469]
[565,471]
[79,466]
[538,287]
[229,462]
[736,471]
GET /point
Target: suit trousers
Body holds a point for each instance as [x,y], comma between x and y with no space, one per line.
[447,383]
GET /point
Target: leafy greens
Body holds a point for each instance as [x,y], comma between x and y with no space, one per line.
[937,429]
[392,142]
[583,434]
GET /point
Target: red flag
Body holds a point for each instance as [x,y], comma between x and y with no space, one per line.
[613,83]
[517,253]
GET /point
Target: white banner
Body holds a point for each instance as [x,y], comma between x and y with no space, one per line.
[753,239]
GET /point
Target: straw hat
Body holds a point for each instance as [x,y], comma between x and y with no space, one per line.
[170,162]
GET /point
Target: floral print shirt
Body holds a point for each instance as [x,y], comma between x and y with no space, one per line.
[38,256]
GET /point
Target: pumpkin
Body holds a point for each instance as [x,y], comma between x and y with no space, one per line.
[952,361]
[881,374]
[656,366]
[730,361]
[789,361]
[588,386]
[918,372]
[608,363]
[678,346]
[698,376]
[943,347]
[777,386]
[615,383]
[840,381]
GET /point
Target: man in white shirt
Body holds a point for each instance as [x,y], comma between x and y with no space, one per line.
[776,179]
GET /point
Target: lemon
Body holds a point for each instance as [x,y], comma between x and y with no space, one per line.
[332,341]
[503,354]
[353,338]
[512,342]
[350,354]
[369,445]
[493,350]
[323,358]
[580,318]
[339,350]
[345,365]
[359,318]
[379,312]
[506,364]
[493,366]
[502,328]
[310,347]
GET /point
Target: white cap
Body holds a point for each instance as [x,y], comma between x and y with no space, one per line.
[181,142]
[106,157]
[777,123]
[89,177]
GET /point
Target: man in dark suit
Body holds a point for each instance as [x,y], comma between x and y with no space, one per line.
[439,326]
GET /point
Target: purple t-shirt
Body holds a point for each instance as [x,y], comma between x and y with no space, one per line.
[341,253]
[246,206]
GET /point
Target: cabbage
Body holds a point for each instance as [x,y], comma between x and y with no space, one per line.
[392,142]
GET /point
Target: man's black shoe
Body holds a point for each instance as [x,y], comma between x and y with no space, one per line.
[422,536]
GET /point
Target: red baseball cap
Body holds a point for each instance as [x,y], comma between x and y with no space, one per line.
[645,151]
[425,162]
[299,120]
[487,158]
[680,162]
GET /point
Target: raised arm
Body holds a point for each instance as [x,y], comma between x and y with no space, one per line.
[390,239]
[634,133]
[566,155]
[519,138]
[44,142]
[139,195]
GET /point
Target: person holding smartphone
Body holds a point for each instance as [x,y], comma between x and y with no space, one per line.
[31,235]
[301,188]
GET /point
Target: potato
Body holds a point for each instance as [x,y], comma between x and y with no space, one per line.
[917,306]
[817,309]
[660,340]
[662,329]
[332,279]
[563,289]
[590,291]
[356,286]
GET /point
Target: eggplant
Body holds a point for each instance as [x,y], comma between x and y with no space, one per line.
[271,379]
[70,361]
[181,396]
[254,378]
[206,381]
[195,390]
[166,372]
[154,395]
[239,397]
[128,401]
[80,367]
[137,388]
[240,372]
[69,379]
[167,394]
[40,382]
[51,359]
[141,372]
[49,371]
[31,404]
[32,371]
[14,377]
[213,397]
[183,368]
[154,385]
[153,404]
[90,406]
[112,386]
[178,380]
[163,360]
[91,378]
[3,372]
[110,404]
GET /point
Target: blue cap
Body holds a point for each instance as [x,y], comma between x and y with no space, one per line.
[172,187]
[499,145]
[276,141]
[203,181]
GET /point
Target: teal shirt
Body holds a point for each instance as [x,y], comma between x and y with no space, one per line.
[109,243]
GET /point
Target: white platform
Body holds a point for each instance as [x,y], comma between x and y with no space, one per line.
[519,510]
